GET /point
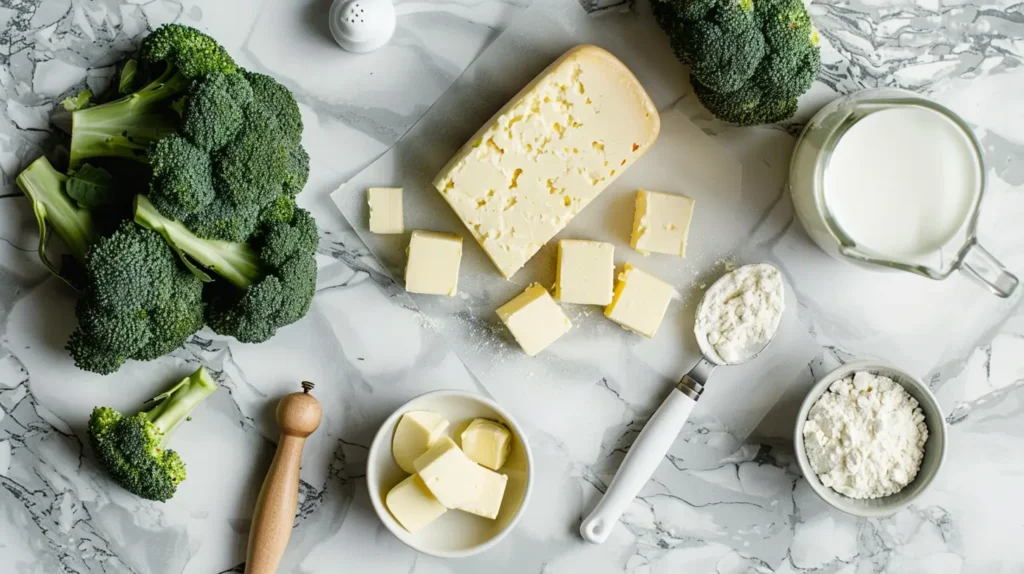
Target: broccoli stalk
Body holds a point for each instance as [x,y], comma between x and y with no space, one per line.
[133,449]
[238,263]
[44,186]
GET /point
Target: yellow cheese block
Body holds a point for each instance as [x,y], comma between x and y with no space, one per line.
[586,271]
[534,318]
[433,266]
[385,210]
[487,443]
[548,153]
[640,301]
[661,223]
[415,433]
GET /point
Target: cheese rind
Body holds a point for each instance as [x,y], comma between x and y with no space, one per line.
[640,301]
[548,153]
[385,210]
[415,433]
[487,443]
[535,319]
[661,223]
[586,272]
[433,266]
[412,505]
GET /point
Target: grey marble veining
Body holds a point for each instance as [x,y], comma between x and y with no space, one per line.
[719,504]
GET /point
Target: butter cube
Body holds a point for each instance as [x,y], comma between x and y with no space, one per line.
[433,267]
[445,470]
[548,153]
[415,433]
[385,210]
[487,442]
[640,301]
[412,505]
[486,490]
[586,271]
[661,223]
[534,319]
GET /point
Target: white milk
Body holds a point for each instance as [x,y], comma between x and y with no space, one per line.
[902,181]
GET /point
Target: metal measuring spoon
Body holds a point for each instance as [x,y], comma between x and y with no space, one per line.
[659,433]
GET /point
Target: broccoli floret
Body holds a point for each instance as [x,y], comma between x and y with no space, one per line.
[750,59]
[279,102]
[215,110]
[139,301]
[182,182]
[270,283]
[126,127]
[44,187]
[133,449]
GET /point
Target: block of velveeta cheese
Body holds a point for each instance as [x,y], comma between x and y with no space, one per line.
[385,210]
[548,153]
[640,301]
[585,272]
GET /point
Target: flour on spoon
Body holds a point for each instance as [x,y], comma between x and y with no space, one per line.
[740,313]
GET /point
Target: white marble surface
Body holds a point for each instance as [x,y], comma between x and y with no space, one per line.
[723,505]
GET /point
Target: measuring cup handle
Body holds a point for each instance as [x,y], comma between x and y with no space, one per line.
[643,458]
[978,263]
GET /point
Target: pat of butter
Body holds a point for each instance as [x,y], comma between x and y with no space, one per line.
[661,223]
[487,442]
[586,271]
[458,482]
[385,210]
[548,153]
[433,267]
[415,433]
[412,505]
[640,302]
[535,319]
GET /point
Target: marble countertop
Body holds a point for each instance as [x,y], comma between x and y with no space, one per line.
[721,503]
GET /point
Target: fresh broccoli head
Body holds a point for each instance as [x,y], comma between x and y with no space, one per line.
[126,127]
[750,59]
[237,154]
[269,283]
[139,301]
[133,449]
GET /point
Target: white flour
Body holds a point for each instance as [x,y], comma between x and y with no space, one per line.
[865,436]
[740,313]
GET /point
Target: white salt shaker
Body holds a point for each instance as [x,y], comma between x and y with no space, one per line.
[362,25]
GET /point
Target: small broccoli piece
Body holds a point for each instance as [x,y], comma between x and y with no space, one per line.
[45,188]
[126,127]
[139,301]
[133,449]
[79,101]
[750,59]
[297,173]
[280,210]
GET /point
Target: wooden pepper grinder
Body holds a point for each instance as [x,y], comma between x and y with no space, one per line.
[298,415]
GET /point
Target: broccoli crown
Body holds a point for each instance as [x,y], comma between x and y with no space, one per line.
[238,154]
[750,59]
[139,301]
[132,448]
[187,49]
[282,296]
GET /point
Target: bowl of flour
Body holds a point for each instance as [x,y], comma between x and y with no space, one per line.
[869,438]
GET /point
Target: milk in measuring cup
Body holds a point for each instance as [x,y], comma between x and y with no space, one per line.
[902,181]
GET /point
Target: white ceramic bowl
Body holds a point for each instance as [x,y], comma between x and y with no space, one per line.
[934,448]
[455,534]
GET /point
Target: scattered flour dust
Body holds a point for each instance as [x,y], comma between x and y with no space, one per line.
[865,436]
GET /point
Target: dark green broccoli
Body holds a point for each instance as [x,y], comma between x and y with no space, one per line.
[126,127]
[133,449]
[44,187]
[270,282]
[237,154]
[139,301]
[750,59]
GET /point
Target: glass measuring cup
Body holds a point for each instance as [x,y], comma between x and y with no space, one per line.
[814,149]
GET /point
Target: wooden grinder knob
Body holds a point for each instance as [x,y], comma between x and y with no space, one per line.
[298,415]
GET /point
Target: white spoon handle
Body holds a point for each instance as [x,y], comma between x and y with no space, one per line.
[639,465]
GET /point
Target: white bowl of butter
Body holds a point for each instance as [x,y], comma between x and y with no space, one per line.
[457,457]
